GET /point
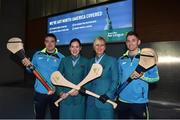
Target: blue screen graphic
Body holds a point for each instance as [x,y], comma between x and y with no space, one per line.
[111,21]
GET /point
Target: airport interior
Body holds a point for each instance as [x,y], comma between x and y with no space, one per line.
[157,23]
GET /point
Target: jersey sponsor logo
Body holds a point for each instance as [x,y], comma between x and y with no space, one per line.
[55,60]
[40,58]
[124,63]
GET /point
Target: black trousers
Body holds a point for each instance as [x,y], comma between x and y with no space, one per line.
[132,111]
[42,102]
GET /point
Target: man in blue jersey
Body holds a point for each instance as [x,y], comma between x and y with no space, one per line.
[46,62]
[133,98]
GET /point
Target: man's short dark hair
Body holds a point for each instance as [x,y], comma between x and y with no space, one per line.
[75,40]
[51,35]
[132,33]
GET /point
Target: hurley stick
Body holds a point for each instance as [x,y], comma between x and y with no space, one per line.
[95,71]
[61,81]
[148,59]
[15,46]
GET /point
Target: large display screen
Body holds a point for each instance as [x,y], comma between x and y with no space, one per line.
[109,20]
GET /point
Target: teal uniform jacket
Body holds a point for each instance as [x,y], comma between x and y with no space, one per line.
[73,106]
[105,84]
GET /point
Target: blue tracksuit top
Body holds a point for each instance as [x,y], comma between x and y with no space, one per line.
[46,65]
[137,90]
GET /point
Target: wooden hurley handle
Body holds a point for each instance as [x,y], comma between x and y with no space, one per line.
[60,99]
[45,84]
[98,96]
[57,102]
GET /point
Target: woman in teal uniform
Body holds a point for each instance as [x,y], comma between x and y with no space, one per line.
[104,85]
[74,68]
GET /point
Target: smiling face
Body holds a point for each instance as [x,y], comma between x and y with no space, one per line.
[132,43]
[50,44]
[99,47]
[75,48]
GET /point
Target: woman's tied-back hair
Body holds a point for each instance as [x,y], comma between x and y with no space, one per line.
[99,38]
[75,40]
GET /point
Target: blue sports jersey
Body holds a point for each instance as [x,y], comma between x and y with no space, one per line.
[46,64]
[137,90]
